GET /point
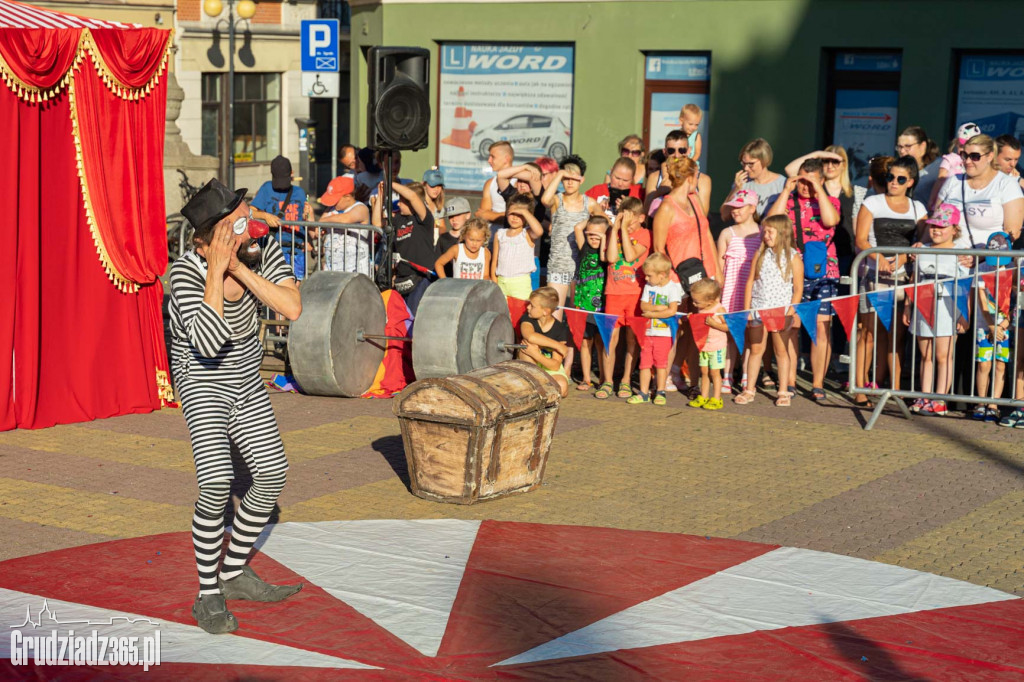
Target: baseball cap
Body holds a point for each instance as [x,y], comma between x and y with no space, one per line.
[945,215]
[966,132]
[743,197]
[337,188]
[456,206]
[280,173]
[433,177]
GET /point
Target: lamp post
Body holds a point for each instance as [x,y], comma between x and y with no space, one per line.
[246,10]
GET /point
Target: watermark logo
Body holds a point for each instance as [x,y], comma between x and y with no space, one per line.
[47,640]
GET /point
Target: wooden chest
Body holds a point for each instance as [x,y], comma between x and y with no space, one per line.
[479,435]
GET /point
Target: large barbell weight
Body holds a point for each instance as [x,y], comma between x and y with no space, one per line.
[326,357]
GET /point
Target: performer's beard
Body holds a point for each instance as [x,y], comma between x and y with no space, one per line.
[250,254]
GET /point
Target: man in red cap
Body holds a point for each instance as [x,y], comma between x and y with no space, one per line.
[215,355]
[346,250]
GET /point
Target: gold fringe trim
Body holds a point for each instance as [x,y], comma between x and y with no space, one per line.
[163,387]
[86,45]
[123,284]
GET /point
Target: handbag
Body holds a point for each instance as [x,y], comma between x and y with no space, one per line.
[815,253]
[691,270]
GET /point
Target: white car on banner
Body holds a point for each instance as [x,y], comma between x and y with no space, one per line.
[529,134]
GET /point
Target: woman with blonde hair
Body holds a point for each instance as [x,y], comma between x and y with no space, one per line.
[632,147]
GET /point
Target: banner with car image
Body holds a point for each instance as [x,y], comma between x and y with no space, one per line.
[487,93]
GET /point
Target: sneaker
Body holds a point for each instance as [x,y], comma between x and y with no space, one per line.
[670,386]
[248,585]
[978,414]
[938,408]
[638,398]
[713,404]
[992,414]
[919,405]
[700,401]
[659,398]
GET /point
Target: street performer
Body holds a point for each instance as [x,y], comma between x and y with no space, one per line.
[216,355]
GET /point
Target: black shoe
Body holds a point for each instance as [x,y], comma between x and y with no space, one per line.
[249,586]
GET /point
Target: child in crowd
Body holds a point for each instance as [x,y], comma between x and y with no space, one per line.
[952,165]
[706,295]
[936,340]
[689,120]
[776,281]
[512,256]
[737,246]
[1016,417]
[472,258]
[567,208]
[992,326]
[589,286]
[545,337]
[660,300]
[627,247]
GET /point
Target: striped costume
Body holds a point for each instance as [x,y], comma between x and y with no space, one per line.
[216,363]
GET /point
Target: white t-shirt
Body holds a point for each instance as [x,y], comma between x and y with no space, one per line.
[880,210]
[670,292]
[984,211]
[347,250]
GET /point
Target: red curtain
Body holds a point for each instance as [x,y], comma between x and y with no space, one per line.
[73,347]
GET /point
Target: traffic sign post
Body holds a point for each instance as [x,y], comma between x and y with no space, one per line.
[321,59]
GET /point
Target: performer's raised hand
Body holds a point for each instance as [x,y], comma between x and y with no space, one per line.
[221,248]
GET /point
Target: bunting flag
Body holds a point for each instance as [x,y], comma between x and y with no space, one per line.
[1005,286]
[883,302]
[737,324]
[577,321]
[808,314]
[699,327]
[846,309]
[960,290]
[516,309]
[774,319]
[923,298]
[673,325]
[639,326]
[605,324]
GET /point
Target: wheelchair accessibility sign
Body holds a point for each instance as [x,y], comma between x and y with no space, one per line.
[320,49]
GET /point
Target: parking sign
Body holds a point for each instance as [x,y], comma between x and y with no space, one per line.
[320,50]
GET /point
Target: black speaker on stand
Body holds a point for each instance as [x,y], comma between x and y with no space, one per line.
[397,119]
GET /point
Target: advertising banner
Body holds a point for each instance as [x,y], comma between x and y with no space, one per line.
[991,93]
[865,124]
[521,94]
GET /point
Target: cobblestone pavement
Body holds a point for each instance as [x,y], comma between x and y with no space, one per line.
[943,495]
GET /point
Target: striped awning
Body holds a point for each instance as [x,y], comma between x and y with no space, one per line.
[20,15]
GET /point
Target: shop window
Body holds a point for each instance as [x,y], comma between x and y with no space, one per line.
[862,107]
[671,81]
[257,120]
[990,92]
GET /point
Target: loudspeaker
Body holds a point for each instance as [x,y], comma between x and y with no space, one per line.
[398,111]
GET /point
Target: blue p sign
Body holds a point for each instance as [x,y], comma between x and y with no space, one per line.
[320,51]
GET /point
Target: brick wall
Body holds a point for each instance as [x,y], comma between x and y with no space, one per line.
[190,10]
[267,12]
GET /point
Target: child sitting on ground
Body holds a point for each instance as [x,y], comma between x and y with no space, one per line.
[545,337]
[706,295]
[512,253]
[589,286]
[627,247]
[472,258]
[660,300]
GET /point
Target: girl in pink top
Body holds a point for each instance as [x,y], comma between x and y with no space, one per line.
[737,246]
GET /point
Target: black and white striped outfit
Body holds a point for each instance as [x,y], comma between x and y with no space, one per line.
[216,362]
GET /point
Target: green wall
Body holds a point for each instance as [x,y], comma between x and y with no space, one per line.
[766,60]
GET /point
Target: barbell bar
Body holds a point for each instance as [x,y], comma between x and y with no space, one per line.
[360,336]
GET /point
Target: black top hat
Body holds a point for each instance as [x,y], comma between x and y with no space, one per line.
[211,203]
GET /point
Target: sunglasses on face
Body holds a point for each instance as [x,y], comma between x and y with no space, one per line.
[973,156]
[831,162]
[747,164]
[900,179]
[672,151]
[632,152]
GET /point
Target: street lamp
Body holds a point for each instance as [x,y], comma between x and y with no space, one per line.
[246,10]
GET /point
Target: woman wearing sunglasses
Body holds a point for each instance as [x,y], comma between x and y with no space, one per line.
[989,201]
[632,147]
[951,163]
[754,175]
[889,219]
[676,147]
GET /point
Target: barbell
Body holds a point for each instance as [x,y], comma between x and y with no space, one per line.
[334,347]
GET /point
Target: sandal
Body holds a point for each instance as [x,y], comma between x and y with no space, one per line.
[624,391]
[584,386]
[817,395]
[604,391]
[638,398]
[1012,419]
[726,387]
[745,398]
[659,398]
[767,381]
[784,399]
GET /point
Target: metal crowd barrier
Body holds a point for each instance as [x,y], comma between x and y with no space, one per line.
[931,277]
[324,246]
